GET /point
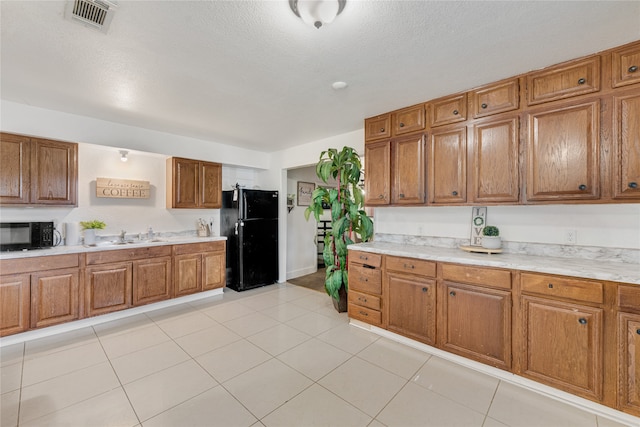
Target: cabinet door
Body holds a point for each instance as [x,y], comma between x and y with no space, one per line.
[186,174]
[151,280]
[188,274]
[14,169]
[563,152]
[412,307]
[495,98]
[626,154]
[564,81]
[408,170]
[495,176]
[14,304]
[377,173]
[213,270]
[54,173]
[452,109]
[210,185]
[626,65]
[563,345]
[629,363]
[107,288]
[476,323]
[408,120]
[54,297]
[448,165]
[378,127]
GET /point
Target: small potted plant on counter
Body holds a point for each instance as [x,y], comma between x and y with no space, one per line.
[89,228]
[491,237]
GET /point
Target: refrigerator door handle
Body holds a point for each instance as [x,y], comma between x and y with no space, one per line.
[236,228]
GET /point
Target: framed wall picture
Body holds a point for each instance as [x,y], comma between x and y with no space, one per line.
[305,191]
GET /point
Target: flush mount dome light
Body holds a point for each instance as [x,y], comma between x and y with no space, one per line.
[317,12]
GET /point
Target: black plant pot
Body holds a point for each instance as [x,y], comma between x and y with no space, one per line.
[341,305]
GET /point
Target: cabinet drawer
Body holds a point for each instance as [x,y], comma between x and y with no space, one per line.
[477,276]
[365,258]
[120,255]
[629,297]
[364,300]
[408,120]
[411,265]
[562,287]
[495,98]
[452,109]
[564,81]
[25,265]
[373,317]
[365,279]
[378,127]
[198,248]
[625,64]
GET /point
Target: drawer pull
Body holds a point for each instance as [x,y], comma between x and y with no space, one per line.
[455,112]
[425,290]
[633,185]
[633,68]
[581,81]
[362,299]
[484,106]
[401,124]
[364,257]
[582,187]
[364,313]
[582,321]
[410,266]
[638,331]
[550,285]
[453,294]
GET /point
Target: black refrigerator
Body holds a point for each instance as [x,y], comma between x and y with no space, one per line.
[249,220]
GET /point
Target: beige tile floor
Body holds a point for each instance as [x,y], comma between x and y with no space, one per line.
[274,356]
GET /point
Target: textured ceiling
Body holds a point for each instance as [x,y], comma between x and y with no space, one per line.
[251,74]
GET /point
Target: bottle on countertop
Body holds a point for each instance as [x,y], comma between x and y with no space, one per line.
[150,233]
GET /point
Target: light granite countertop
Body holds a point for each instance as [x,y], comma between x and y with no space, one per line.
[105,246]
[591,269]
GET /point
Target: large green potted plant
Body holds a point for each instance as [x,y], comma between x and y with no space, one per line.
[349,222]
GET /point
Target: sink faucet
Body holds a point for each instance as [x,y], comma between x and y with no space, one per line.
[122,233]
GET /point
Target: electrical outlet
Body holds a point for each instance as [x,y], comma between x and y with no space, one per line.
[419,230]
[571,237]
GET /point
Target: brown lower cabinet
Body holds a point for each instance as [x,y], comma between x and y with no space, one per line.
[14,303]
[108,288]
[152,280]
[54,297]
[578,335]
[198,267]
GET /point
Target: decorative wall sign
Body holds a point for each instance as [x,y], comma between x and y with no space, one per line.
[113,188]
[478,221]
[305,191]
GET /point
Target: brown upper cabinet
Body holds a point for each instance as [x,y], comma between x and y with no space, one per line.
[626,140]
[408,120]
[626,65]
[495,98]
[563,81]
[448,165]
[193,184]
[38,172]
[378,127]
[377,172]
[408,170]
[451,109]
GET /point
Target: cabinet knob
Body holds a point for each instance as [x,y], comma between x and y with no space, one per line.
[381,130]
[484,105]
[401,124]
[402,195]
[582,187]
[582,321]
[452,293]
[550,285]
[425,290]
[638,331]
[455,193]
[455,112]
[633,69]
[582,81]
[633,185]
[381,196]
[410,266]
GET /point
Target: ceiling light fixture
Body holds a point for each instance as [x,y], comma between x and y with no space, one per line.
[317,12]
[123,155]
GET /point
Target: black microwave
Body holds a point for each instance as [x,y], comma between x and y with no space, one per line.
[18,236]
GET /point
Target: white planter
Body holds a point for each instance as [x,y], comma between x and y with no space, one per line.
[491,242]
[90,236]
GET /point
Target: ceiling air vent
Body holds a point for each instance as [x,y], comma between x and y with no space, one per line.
[93,13]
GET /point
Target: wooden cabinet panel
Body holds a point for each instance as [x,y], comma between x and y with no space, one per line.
[377,172]
[213,270]
[14,303]
[629,363]
[563,81]
[494,171]
[373,317]
[448,166]
[563,345]
[365,300]
[411,266]
[408,170]
[108,288]
[41,263]
[210,185]
[365,279]
[412,307]
[188,274]
[495,98]
[365,258]
[151,280]
[186,175]
[452,109]
[121,255]
[483,276]
[562,287]
[15,162]
[626,65]
[629,297]
[626,152]
[56,177]
[54,297]
[563,153]
[475,322]
[378,127]
[407,120]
